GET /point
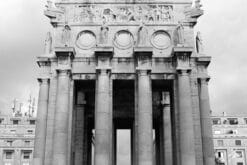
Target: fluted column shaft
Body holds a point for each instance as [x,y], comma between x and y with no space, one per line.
[40,133]
[167,125]
[103,120]
[187,146]
[144,119]
[60,142]
[206,125]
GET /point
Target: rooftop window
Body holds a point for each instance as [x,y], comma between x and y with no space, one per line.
[26,155]
[9,154]
[15,122]
[29,131]
[238,142]
[32,122]
[9,143]
[216,121]
[232,121]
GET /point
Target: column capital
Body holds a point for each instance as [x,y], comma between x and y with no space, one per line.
[63,72]
[44,80]
[204,80]
[184,72]
[143,72]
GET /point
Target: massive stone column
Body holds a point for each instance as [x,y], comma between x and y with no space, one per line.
[207,142]
[79,128]
[144,120]
[40,133]
[167,126]
[60,142]
[187,145]
[103,119]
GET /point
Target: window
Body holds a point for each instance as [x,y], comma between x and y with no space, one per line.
[26,155]
[27,143]
[220,143]
[12,131]
[15,122]
[233,121]
[239,154]
[9,143]
[245,120]
[26,163]
[32,122]
[240,163]
[217,132]
[7,164]
[1,121]
[238,142]
[216,121]
[29,131]
[9,155]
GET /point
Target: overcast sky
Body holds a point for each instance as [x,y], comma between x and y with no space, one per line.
[223,26]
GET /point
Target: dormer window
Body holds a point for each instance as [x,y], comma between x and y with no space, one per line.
[15,122]
[216,121]
[32,122]
[233,121]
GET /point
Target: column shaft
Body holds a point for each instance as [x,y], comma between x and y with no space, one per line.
[207,137]
[167,126]
[50,120]
[40,133]
[79,135]
[187,146]
[60,142]
[144,120]
[103,120]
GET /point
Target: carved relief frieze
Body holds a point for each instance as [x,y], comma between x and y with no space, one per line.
[128,13]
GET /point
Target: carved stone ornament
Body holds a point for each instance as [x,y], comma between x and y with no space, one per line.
[86,40]
[127,13]
[161,40]
[123,40]
[48,43]
[199,43]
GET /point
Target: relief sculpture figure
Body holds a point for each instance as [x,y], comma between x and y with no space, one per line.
[66,35]
[180,33]
[48,43]
[142,35]
[104,34]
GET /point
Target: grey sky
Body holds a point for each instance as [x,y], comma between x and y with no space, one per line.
[23,28]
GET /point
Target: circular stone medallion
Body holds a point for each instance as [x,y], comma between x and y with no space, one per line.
[161,40]
[86,40]
[123,40]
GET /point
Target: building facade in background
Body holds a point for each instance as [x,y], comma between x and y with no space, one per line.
[230,139]
[113,65]
[16,140]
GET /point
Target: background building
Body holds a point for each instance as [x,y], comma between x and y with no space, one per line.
[230,139]
[16,140]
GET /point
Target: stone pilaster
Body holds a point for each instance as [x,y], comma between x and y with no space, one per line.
[186,122]
[167,126]
[207,137]
[60,142]
[40,133]
[103,119]
[206,125]
[187,144]
[144,121]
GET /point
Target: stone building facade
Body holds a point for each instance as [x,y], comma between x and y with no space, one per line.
[16,140]
[111,65]
[230,139]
